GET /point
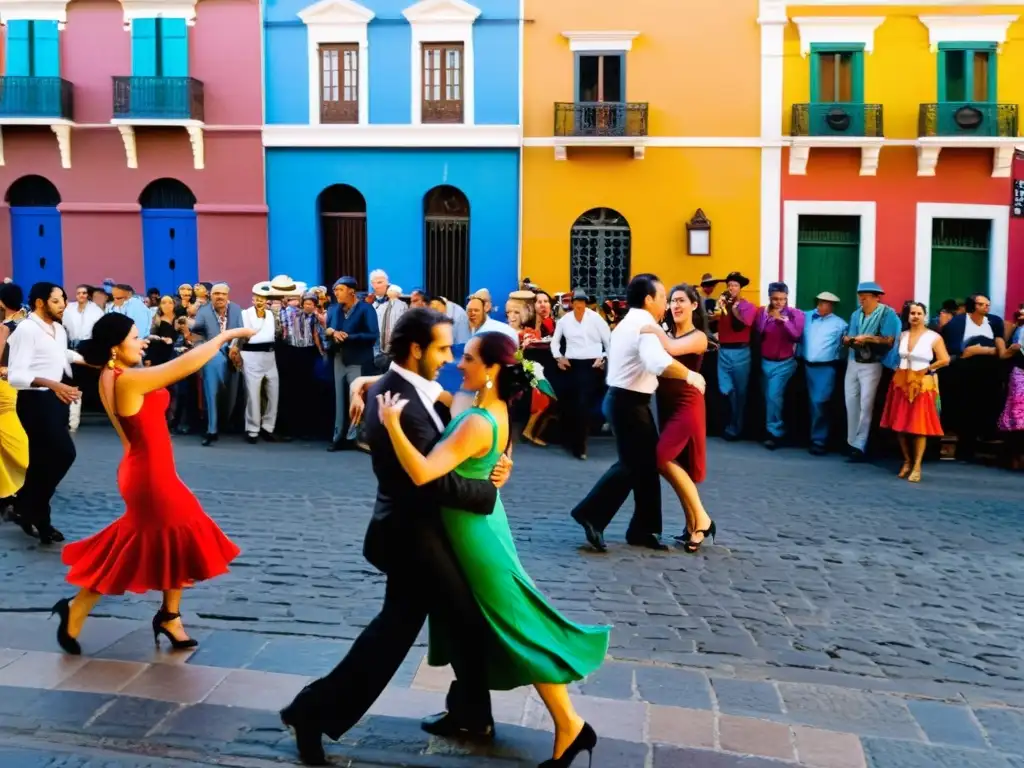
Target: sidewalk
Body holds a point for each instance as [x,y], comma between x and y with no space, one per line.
[219,706]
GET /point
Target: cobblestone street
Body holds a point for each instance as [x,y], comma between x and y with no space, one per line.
[844,618]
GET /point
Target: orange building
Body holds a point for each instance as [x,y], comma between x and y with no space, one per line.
[899,123]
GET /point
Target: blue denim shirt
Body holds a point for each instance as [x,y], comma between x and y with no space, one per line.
[822,341]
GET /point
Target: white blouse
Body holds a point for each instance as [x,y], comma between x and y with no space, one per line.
[922,355]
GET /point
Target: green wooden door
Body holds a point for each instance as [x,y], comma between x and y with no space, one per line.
[960,255]
[828,259]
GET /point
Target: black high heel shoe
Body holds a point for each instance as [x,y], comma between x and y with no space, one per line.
[161,618]
[584,742]
[694,546]
[67,643]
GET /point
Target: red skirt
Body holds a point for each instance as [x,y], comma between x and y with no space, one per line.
[911,405]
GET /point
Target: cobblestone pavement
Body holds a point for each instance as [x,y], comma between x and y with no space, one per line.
[839,602]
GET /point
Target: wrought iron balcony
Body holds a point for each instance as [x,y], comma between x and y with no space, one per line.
[837,119]
[968,118]
[158,98]
[36,97]
[604,119]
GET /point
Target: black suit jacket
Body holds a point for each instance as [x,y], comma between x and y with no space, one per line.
[401,507]
[953,333]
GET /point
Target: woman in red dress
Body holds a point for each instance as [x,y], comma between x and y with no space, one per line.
[164,541]
[543,329]
[682,447]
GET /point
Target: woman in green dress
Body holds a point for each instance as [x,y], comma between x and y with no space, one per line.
[535,645]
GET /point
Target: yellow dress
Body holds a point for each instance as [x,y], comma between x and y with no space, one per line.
[13,443]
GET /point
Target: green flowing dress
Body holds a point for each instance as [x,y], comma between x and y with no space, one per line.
[534,642]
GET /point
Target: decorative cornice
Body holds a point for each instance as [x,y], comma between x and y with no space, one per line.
[35,10]
[336,13]
[603,40]
[848,30]
[166,9]
[966,29]
[441,12]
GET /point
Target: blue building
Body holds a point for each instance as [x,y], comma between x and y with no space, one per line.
[392,138]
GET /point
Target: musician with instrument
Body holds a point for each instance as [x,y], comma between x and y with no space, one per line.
[735,318]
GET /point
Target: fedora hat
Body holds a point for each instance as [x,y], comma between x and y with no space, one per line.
[262,289]
[282,285]
[737,277]
[708,279]
[827,296]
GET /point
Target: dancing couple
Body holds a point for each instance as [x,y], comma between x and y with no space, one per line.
[440,534]
[164,541]
[643,358]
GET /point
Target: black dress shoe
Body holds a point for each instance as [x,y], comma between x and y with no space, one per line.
[446,726]
[18,519]
[209,439]
[594,537]
[646,540]
[53,534]
[251,439]
[857,456]
[308,736]
[270,437]
[337,445]
[817,450]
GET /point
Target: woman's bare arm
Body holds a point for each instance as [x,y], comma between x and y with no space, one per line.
[690,344]
[139,381]
[471,438]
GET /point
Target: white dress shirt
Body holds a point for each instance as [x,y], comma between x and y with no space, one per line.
[264,326]
[79,322]
[490,325]
[586,339]
[39,350]
[636,360]
[429,392]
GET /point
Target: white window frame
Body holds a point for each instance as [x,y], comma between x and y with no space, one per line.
[337,22]
[443,21]
[794,209]
[966,29]
[165,9]
[35,10]
[822,30]
[998,247]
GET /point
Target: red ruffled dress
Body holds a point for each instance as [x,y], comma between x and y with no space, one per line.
[912,402]
[163,540]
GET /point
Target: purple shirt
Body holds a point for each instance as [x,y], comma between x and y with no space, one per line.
[779,337]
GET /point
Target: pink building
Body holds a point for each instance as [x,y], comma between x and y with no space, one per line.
[130,143]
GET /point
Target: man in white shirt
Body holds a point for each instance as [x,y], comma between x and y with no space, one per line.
[38,361]
[481,322]
[258,365]
[78,321]
[635,361]
[587,339]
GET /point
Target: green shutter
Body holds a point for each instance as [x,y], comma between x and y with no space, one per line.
[948,80]
[144,63]
[856,52]
[45,49]
[173,48]
[19,62]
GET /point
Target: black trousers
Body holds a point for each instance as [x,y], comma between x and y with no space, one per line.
[424,580]
[636,442]
[51,452]
[581,384]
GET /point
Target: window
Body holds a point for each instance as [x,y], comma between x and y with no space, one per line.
[837,74]
[442,83]
[159,48]
[967,72]
[339,83]
[600,78]
[33,49]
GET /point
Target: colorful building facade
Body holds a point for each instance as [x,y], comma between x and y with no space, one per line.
[392,141]
[899,123]
[131,142]
[632,124]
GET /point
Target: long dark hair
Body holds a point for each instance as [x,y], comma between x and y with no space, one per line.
[109,331]
[905,314]
[498,349]
[700,315]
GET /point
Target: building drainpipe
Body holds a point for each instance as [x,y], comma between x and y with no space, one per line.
[519,250]
[1015,256]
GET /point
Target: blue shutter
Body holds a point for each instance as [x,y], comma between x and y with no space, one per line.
[45,49]
[173,48]
[18,63]
[144,48]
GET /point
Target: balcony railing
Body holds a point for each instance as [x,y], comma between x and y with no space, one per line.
[158,98]
[837,119]
[968,118]
[36,97]
[605,119]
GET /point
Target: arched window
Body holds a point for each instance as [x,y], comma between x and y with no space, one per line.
[32,192]
[600,253]
[446,218]
[343,234]
[168,194]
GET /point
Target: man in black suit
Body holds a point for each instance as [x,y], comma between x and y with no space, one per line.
[407,542]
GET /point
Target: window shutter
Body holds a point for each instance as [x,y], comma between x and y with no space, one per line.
[144,48]
[173,48]
[18,63]
[45,49]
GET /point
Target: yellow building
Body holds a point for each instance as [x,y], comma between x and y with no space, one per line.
[636,115]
